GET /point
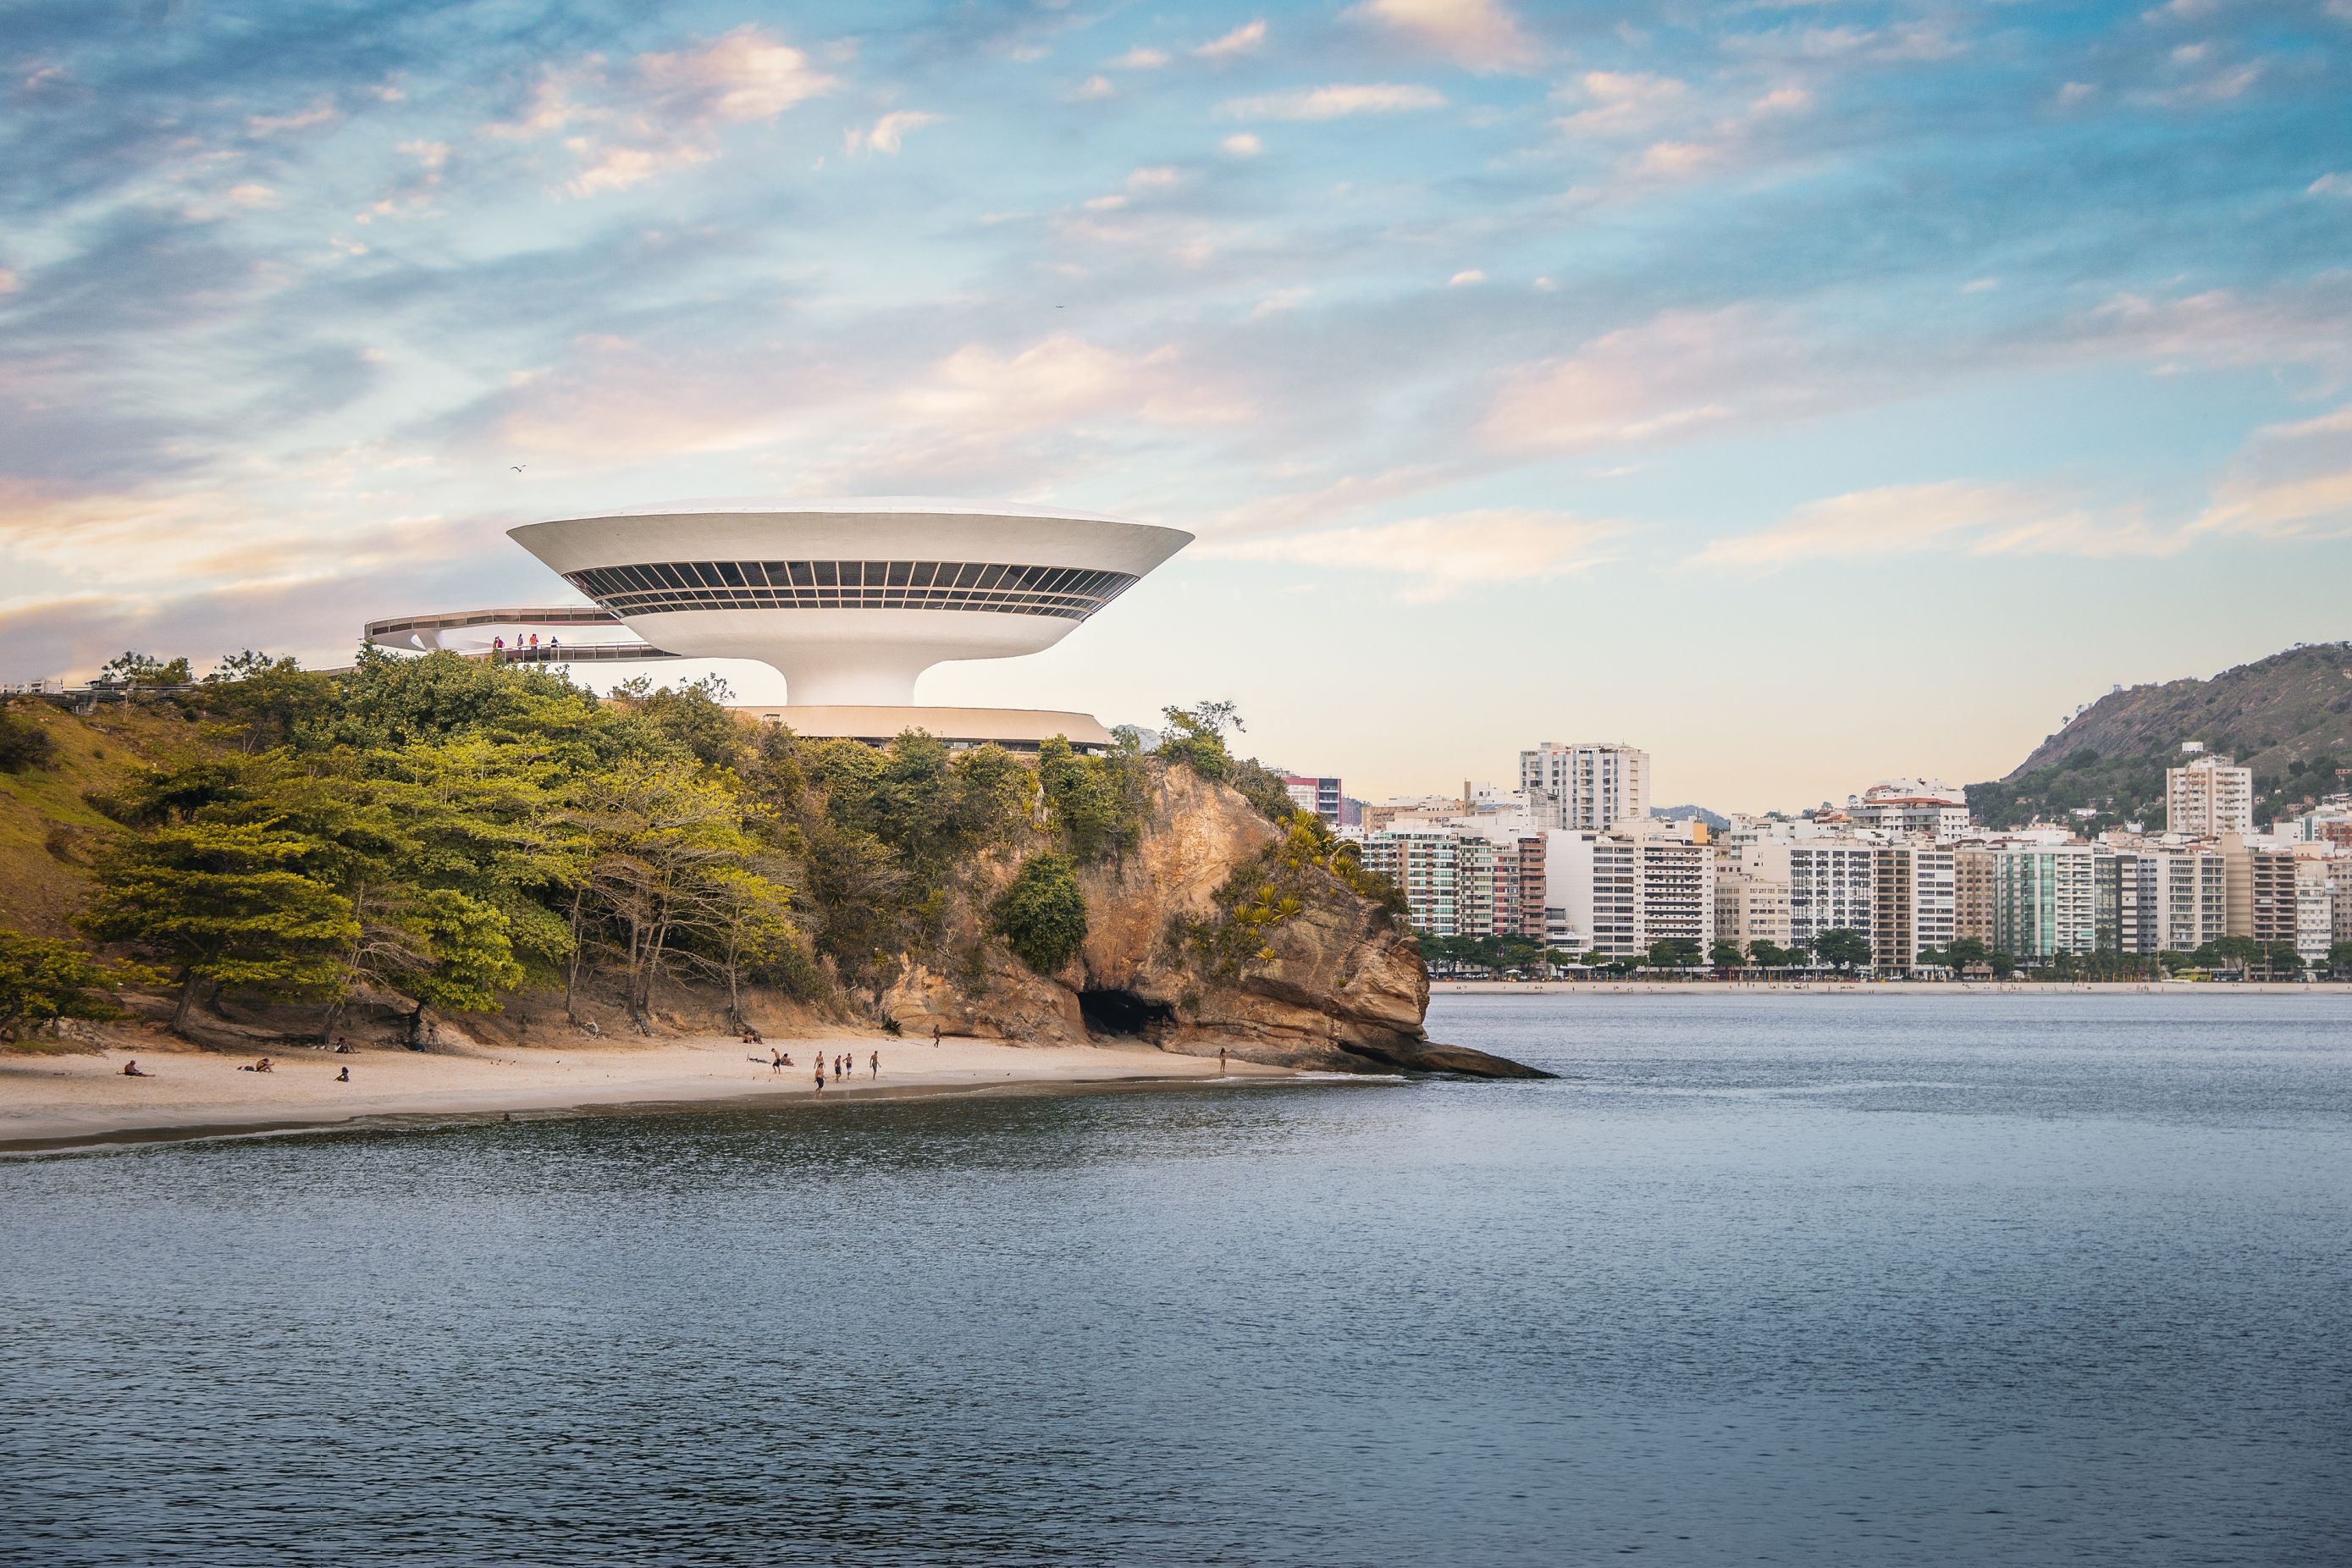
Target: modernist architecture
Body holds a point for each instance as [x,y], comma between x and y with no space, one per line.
[850,600]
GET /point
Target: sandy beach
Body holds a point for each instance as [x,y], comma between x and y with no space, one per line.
[55,1102]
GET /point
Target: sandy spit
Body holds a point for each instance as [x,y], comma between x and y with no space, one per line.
[62,1103]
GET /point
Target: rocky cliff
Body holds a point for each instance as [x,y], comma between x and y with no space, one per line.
[1219,930]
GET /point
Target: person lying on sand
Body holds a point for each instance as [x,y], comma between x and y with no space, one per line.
[132,1069]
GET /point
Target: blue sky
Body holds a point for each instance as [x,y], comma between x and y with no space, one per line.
[1809,393]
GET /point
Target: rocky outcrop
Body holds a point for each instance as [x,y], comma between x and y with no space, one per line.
[1329,979]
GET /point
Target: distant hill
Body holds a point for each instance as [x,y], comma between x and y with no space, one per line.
[2287,717]
[1716,821]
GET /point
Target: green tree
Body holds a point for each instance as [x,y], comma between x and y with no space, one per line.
[1672,952]
[1041,914]
[657,832]
[1196,738]
[43,979]
[2339,958]
[1772,955]
[133,668]
[265,701]
[224,904]
[1841,949]
[1726,953]
[26,742]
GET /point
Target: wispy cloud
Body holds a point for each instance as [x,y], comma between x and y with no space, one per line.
[889,134]
[1334,103]
[1483,34]
[1245,39]
[1443,555]
[2292,481]
[1894,521]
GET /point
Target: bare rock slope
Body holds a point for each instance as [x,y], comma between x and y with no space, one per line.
[1217,930]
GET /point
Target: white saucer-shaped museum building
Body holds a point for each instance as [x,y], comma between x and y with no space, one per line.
[849,600]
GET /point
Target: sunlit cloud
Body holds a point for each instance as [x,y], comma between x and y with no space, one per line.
[1893,521]
[1441,555]
[1245,39]
[889,134]
[1334,103]
[1483,35]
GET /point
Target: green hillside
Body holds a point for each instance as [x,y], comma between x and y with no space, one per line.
[2287,717]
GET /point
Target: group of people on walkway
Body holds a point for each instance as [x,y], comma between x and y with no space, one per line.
[499,645]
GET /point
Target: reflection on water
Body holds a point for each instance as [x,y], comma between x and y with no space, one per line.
[1845,1280]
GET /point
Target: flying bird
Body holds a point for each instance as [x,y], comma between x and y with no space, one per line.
[518,468]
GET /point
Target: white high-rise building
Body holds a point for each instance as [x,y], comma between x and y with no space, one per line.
[1833,883]
[2208,797]
[1618,893]
[1585,787]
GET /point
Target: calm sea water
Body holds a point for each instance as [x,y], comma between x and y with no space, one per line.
[1777,1279]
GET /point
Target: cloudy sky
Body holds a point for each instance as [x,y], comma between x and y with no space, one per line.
[1808,392]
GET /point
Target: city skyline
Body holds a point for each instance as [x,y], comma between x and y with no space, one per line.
[1805,397]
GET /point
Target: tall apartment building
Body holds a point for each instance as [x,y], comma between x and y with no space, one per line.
[1521,889]
[1972,880]
[2314,912]
[2208,797]
[2183,900]
[1320,796]
[1749,907]
[1913,903]
[1585,787]
[1833,883]
[2045,900]
[1589,893]
[2259,886]
[1673,886]
[1424,863]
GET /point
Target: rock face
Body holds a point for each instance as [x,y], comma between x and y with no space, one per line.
[1335,982]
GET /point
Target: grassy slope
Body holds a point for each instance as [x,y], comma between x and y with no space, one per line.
[49,832]
[2288,716]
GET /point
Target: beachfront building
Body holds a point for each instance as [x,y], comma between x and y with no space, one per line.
[2259,879]
[1749,907]
[2314,912]
[1425,862]
[1833,884]
[1972,880]
[2208,797]
[850,600]
[2183,897]
[1589,893]
[2045,900]
[1913,903]
[1585,787]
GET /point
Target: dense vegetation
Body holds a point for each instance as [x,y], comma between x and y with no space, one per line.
[435,834]
[2288,717]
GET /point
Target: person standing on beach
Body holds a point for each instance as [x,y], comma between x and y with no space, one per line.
[935,1037]
[820,1075]
[874,1063]
[1220,1061]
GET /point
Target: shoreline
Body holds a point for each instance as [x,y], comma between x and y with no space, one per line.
[1890,987]
[68,1104]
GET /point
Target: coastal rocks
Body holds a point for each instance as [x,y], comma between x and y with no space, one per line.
[1329,980]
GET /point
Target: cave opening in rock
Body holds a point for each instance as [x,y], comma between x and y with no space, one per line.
[1123,1013]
